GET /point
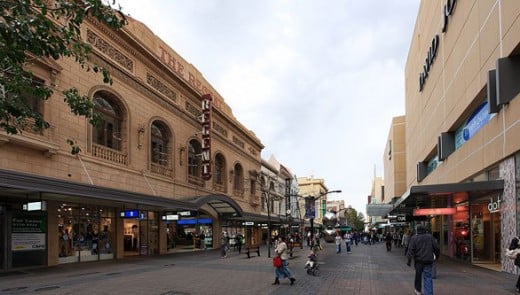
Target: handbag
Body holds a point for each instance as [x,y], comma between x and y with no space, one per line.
[277,261]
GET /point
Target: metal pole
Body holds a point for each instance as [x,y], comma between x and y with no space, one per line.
[268,225]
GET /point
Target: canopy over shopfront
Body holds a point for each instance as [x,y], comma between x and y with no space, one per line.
[222,205]
[434,196]
[32,187]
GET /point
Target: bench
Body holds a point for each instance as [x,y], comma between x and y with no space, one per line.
[251,249]
[293,245]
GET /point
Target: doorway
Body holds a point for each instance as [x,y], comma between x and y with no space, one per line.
[485,234]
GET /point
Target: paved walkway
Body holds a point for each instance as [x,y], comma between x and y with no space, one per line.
[368,270]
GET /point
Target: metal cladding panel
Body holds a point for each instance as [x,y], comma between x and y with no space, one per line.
[508,79]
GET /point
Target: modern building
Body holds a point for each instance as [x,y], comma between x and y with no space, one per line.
[462,126]
[170,167]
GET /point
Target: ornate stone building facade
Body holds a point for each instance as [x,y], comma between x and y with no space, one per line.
[169,167]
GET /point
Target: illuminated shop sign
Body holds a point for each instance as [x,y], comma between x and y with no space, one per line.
[432,51]
[206,136]
[130,213]
[434,211]
[494,206]
[474,123]
[195,221]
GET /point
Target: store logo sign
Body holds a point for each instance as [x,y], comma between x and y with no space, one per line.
[494,206]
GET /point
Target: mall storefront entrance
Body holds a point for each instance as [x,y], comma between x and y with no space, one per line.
[141,232]
[485,231]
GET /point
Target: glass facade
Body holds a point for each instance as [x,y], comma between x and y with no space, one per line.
[85,233]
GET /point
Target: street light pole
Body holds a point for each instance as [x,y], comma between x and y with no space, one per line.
[313,202]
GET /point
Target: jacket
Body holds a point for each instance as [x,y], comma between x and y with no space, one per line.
[422,247]
[281,250]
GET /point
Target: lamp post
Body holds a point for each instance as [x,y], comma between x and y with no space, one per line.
[313,202]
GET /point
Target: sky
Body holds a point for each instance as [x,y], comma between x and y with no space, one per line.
[318,82]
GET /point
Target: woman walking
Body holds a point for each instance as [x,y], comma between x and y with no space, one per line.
[284,271]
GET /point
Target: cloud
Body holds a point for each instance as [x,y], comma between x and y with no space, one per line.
[317,81]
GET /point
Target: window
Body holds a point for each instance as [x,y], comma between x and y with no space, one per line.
[220,170]
[159,144]
[108,133]
[238,183]
[194,160]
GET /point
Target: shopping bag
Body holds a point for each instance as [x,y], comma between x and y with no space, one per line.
[277,261]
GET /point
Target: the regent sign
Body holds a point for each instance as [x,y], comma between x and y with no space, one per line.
[432,51]
[205,119]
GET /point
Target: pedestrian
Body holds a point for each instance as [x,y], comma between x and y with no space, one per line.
[348,241]
[388,239]
[338,241]
[223,245]
[424,249]
[406,240]
[284,271]
[514,248]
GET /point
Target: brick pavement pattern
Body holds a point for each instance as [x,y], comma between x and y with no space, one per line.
[367,270]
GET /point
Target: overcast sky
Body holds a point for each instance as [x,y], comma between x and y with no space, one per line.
[317,81]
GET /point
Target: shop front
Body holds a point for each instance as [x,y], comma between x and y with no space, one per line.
[465,218]
[85,232]
[140,232]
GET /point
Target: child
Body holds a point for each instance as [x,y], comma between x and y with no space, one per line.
[311,261]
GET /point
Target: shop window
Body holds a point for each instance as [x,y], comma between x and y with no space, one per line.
[84,233]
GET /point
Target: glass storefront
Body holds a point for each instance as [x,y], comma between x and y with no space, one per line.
[192,232]
[485,231]
[85,233]
[141,234]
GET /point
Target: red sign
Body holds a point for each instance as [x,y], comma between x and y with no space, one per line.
[206,136]
[434,211]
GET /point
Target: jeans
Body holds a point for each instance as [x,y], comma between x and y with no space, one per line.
[423,272]
[284,271]
[338,248]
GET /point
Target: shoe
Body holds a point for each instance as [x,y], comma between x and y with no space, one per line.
[292,280]
[417,292]
[276,282]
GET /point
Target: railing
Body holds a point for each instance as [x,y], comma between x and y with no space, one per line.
[161,170]
[109,154]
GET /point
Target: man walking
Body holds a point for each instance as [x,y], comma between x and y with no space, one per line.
[423,248]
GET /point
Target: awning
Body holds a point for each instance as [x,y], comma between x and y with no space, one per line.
[16,184]
[379,209]
[423,195]
[223,205]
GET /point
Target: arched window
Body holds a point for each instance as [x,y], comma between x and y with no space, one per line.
[220,170]
[159,144]
[194,159]
[238,181]
[108,132]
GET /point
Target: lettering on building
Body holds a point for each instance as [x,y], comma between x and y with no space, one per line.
[432,51]
[206,136]
[177,65]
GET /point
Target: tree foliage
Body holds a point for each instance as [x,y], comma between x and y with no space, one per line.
[48,29]
[354,219]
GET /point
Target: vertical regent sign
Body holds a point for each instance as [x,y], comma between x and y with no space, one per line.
[432,51]
[205,119]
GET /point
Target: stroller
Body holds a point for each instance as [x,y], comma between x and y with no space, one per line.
[311,265]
